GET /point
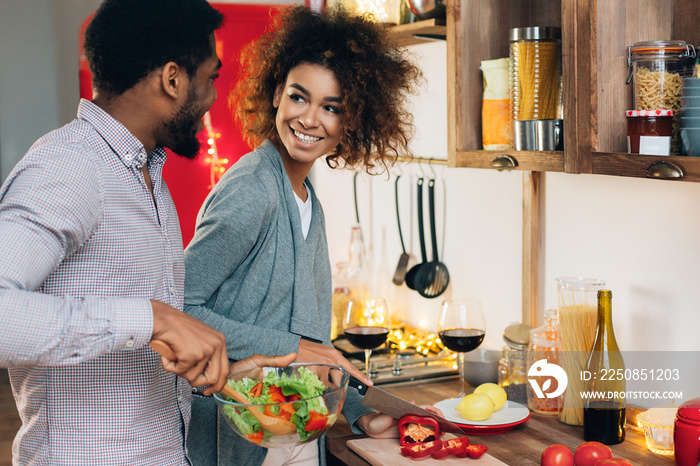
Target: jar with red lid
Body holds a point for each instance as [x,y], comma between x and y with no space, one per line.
[649,131]
[686,434]
[657,69]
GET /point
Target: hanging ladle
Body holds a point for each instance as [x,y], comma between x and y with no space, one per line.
[412,275]
[402,266]
[434,276]
[274,425]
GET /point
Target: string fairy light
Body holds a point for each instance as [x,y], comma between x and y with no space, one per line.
[216,164]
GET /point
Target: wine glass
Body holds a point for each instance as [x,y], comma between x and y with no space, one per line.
[461,328]
[366,324]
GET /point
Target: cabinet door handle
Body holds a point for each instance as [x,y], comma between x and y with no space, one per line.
[504,161]
[665,170]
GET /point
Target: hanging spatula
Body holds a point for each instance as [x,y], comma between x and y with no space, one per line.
[402,266]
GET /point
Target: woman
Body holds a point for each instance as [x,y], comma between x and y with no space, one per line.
[257,269]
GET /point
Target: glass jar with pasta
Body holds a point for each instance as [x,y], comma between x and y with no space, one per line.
[657,69]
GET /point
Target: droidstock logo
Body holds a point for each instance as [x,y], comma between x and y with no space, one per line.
[542,368]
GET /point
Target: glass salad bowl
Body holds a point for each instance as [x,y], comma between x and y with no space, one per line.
[281,407]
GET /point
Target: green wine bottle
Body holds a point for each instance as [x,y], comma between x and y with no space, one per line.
[604,381]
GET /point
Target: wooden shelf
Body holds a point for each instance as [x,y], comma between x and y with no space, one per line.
[526,160]
[420,32]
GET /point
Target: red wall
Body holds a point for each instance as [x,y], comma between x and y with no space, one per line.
[189,180]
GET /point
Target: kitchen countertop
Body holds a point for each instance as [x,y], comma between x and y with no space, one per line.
[521,446]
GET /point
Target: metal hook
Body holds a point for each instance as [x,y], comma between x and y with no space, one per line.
[430,165]
[420,166]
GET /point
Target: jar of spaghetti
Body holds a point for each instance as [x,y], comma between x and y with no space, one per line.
[649,131]
[535,73]
[657,69]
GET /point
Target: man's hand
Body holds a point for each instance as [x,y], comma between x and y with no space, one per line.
[198,352]
[318,353]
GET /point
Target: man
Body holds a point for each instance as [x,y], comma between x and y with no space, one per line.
[91,260]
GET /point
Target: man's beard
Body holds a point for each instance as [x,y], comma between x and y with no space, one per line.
[182,129]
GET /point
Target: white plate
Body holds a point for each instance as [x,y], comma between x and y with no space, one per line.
[511,412]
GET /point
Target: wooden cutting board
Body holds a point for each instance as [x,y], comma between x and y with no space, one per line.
[387,452]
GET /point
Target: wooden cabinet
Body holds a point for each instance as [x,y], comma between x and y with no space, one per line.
[595,36]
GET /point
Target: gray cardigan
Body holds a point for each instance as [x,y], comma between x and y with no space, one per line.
[251,274]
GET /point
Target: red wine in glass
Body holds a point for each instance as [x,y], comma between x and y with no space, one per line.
[367,337]
[461,327]
[462,340]
[366,324]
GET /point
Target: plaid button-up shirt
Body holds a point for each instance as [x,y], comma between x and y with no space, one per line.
[83,247]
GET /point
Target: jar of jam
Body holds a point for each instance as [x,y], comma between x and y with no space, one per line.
[649,131]
[657,69]
[686,433]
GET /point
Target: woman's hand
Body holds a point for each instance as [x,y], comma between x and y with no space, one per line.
[318,353]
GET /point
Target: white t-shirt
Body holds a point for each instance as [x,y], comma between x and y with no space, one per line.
[305,212]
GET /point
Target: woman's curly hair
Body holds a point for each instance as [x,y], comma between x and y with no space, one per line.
[374,77]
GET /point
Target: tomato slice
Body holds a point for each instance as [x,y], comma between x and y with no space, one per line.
[276,395]
[294,397]
[256,437]
[316,421]
[421,450]
[454,446]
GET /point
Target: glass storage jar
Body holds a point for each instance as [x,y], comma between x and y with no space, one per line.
[535,73]
[657,69]
[512,367]
[545,343]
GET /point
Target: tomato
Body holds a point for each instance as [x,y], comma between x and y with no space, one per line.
[613,462]
[294,397]
[557,455]
[256,437]
[316,421]
[453,446]
[588,453]
[275,394]
[421,450]
[475,451]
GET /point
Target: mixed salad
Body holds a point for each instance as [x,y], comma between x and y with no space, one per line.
[308,412]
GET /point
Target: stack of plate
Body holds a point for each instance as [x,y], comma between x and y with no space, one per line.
[690,116]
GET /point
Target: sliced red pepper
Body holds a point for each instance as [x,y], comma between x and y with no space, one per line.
[256,437]
[475,451]
[421,450]
[453,446]
[256,391]
[316,421]
[416,429]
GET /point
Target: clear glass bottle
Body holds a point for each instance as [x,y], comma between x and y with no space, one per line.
[512,367]
[604,374]
[350,280]
[545,343]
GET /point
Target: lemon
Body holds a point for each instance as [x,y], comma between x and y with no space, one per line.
[495,392]
[476,407]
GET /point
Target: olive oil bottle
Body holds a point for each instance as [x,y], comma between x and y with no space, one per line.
[604,381]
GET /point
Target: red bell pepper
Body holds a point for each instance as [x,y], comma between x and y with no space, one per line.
[316,421]
[475,451]
[454,446]
[256,391]
[421,450]
[416,429]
